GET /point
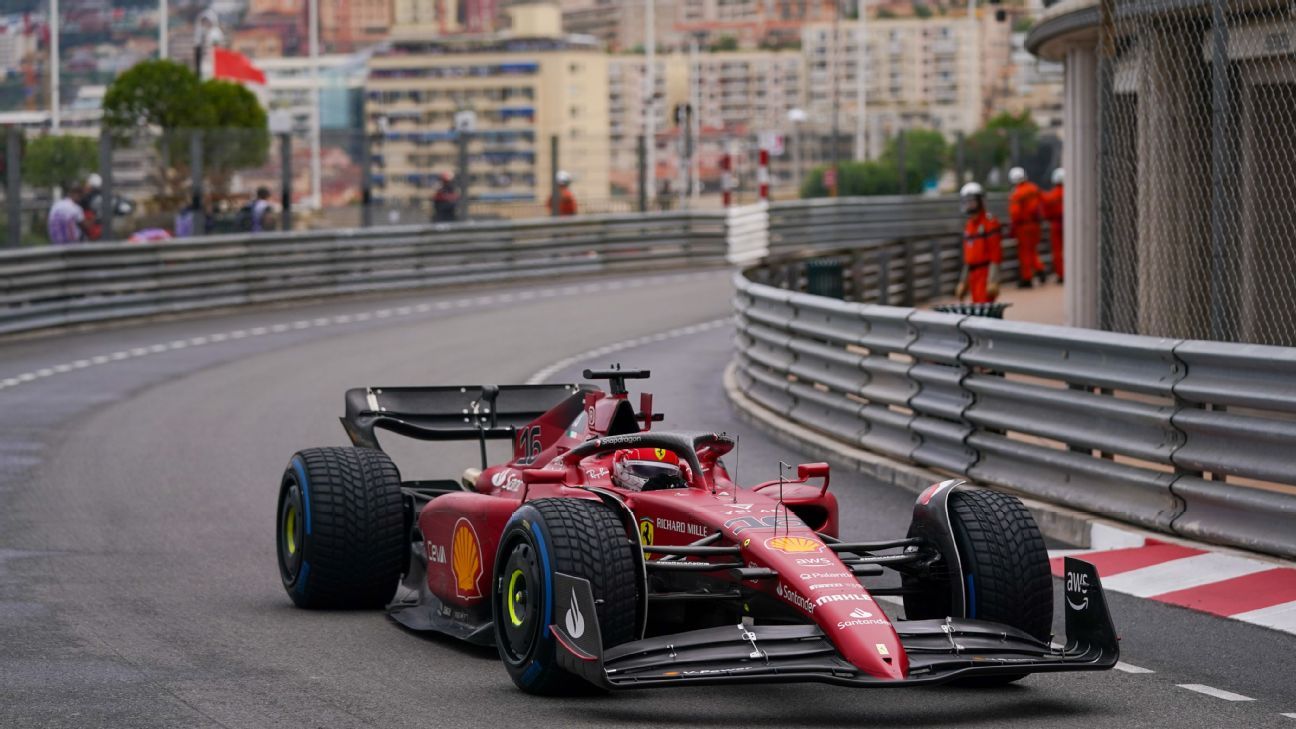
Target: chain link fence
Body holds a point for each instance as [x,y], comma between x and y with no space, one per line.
[1198,170]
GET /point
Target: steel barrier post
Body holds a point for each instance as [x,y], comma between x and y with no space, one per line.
[366,180]
[641,155]
[196,181]
[554,202]
[936,290]
[959,153]
[909,293]
[13,184]
[462,175]
[884,276]
[106,196]
[900,163]
[285,180]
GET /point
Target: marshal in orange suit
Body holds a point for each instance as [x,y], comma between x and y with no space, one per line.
[1024,212]
[982,249]
[1053,214]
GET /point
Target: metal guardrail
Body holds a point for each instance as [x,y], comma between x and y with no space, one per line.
[55,286]
[1186,437]
[802,225]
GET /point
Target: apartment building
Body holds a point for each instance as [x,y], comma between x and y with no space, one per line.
[620,25]
[523,90]
[349,24]
[443,17]
[753,23]
[917,73]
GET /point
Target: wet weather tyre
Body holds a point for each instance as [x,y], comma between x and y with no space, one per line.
[1005,565]
[340,528]
[578,537]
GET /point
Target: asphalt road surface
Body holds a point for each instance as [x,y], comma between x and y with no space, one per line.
[138,586]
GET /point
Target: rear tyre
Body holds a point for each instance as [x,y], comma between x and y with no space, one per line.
[340,528]
[1005,569]
[579,537]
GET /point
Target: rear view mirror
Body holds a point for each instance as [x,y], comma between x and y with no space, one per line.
[812,470]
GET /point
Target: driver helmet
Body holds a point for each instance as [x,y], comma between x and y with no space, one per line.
[647,469]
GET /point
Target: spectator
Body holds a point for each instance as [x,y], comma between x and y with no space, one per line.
[67,221]
[566,200]
[257,216]
[445,203]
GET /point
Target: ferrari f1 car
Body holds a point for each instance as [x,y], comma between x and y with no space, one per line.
[609,553]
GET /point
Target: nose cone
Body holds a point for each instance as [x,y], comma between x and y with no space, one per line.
[865,637]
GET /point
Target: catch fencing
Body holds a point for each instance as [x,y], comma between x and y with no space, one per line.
[1197,169]
[1186,437]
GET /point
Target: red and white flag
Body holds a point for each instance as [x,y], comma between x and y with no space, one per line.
[235,66]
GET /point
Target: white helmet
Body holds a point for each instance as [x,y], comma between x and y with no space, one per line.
[563,178]
[971,189]
[93,180]
[1016,175]
[1057,176]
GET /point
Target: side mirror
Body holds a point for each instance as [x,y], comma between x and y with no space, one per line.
[807,471]
[533,476]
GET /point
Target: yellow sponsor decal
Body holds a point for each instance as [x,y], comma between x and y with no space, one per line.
[660,453]
[794,545]
[466,559]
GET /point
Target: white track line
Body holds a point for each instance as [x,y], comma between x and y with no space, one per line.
[322,322]
[1289,716]
[552,369]
[1179,574]
[1128,668]
[1212,691]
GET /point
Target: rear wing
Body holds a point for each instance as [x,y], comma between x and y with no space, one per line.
[456,412]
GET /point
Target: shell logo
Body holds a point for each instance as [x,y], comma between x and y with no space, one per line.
[466,559]
[794,545]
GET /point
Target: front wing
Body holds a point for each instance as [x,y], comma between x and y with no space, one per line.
[938,650]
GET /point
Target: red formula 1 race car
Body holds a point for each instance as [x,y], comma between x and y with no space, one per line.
[610,553]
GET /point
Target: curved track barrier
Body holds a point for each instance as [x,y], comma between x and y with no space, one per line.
[1186,437]
[56,286]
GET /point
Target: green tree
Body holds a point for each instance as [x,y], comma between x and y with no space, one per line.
[170,97]
[163,94]
[990,147]
[926,155]
[725,43]
[59,160]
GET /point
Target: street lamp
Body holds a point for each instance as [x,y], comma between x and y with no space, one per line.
[207,33]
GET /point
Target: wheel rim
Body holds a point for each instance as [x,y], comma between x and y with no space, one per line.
[291,525]
[518,600]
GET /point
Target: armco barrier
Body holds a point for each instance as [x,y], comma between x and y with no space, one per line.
[56,286]
[1192,438]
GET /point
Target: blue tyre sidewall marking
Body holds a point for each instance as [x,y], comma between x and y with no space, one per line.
[972,611]
[532,671]
[300,468]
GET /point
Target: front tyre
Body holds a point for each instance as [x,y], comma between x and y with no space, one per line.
[578,537]
[340,528]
